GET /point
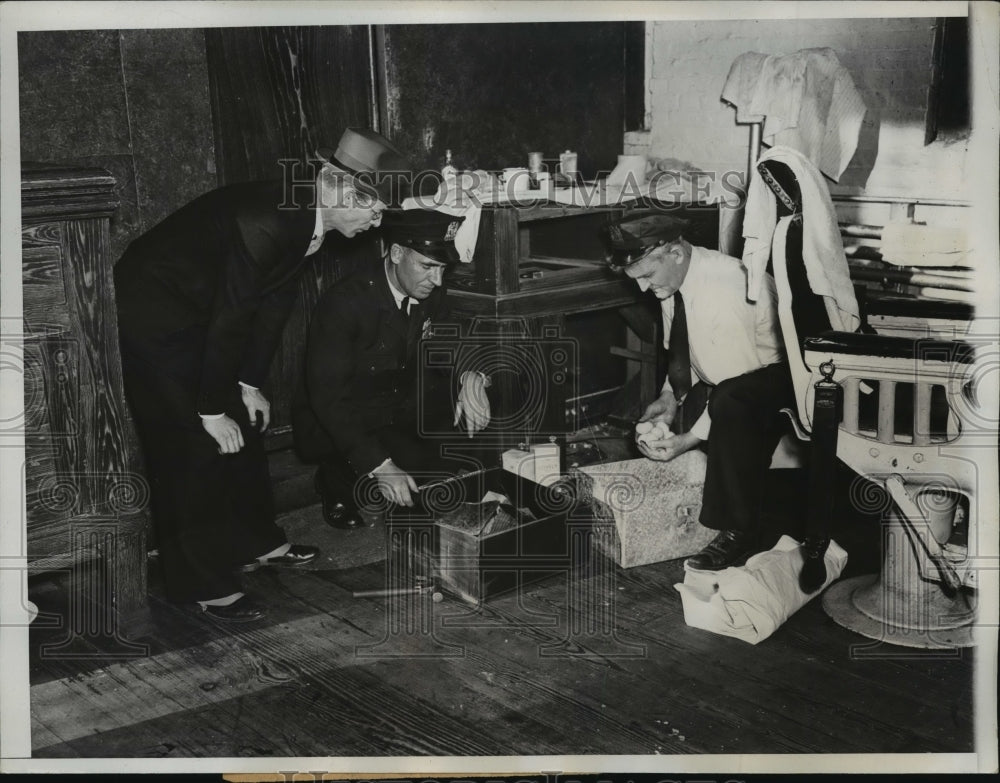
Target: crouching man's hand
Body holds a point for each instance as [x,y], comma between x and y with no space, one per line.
[395,484]
[663,408]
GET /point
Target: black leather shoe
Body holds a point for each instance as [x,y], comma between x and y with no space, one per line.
[242,610]
[335,513]
[298,555]
[813,573]
[728,548]
[338,515]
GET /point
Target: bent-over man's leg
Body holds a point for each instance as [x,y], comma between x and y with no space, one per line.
[210,511]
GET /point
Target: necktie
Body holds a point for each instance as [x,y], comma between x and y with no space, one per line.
[679,356]
[404,307]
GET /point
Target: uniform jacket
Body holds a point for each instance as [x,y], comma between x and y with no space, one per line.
[226,266]
[361,368]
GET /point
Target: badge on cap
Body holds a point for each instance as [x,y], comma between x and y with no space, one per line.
[449,235]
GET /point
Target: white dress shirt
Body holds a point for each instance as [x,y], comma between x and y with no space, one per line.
[318,234]
[727,335]
[398,295]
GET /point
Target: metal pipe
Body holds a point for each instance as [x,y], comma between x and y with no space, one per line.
[373,82]
[928,202]
[910,278]
[868,258]
[942,293]
[387,591]
[860,230]
[753,152]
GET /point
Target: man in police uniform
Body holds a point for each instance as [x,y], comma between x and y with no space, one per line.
[734,352]
[358,413]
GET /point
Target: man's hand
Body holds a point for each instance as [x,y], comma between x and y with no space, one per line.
[664,408]
[226,433]
[473,402]
[395,485]
[666,450]
[256,402]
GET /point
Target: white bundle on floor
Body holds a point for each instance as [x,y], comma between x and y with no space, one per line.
[752,601]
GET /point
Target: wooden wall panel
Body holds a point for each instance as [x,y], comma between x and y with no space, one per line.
[132,102]
[79,450]
[107,457]
[281,92]
[54,449]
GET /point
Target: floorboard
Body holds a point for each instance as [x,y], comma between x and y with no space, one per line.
[599,661]
[328,674]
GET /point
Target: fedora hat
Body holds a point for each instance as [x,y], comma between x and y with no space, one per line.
[378,167]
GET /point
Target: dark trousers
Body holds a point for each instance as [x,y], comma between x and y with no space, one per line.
[746,427]
[211,511]
[689,411]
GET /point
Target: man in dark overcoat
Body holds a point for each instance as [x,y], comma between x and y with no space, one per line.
[363,413]
[202,301]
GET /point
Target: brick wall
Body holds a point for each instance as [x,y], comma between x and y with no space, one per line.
[889,60]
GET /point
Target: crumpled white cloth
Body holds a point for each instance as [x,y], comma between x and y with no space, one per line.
[806,100]
[751,602]
[822,245]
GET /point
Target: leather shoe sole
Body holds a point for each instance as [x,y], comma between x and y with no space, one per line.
[335,513]
[243,610]
[297,556]
[729,548]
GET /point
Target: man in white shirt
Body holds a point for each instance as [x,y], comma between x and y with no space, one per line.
[736,351]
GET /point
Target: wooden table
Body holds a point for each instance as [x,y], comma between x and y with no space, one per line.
[534,265]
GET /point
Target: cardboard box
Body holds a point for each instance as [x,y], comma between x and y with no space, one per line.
[477,566]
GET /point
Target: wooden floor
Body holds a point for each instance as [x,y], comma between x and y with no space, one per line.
[598,662]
